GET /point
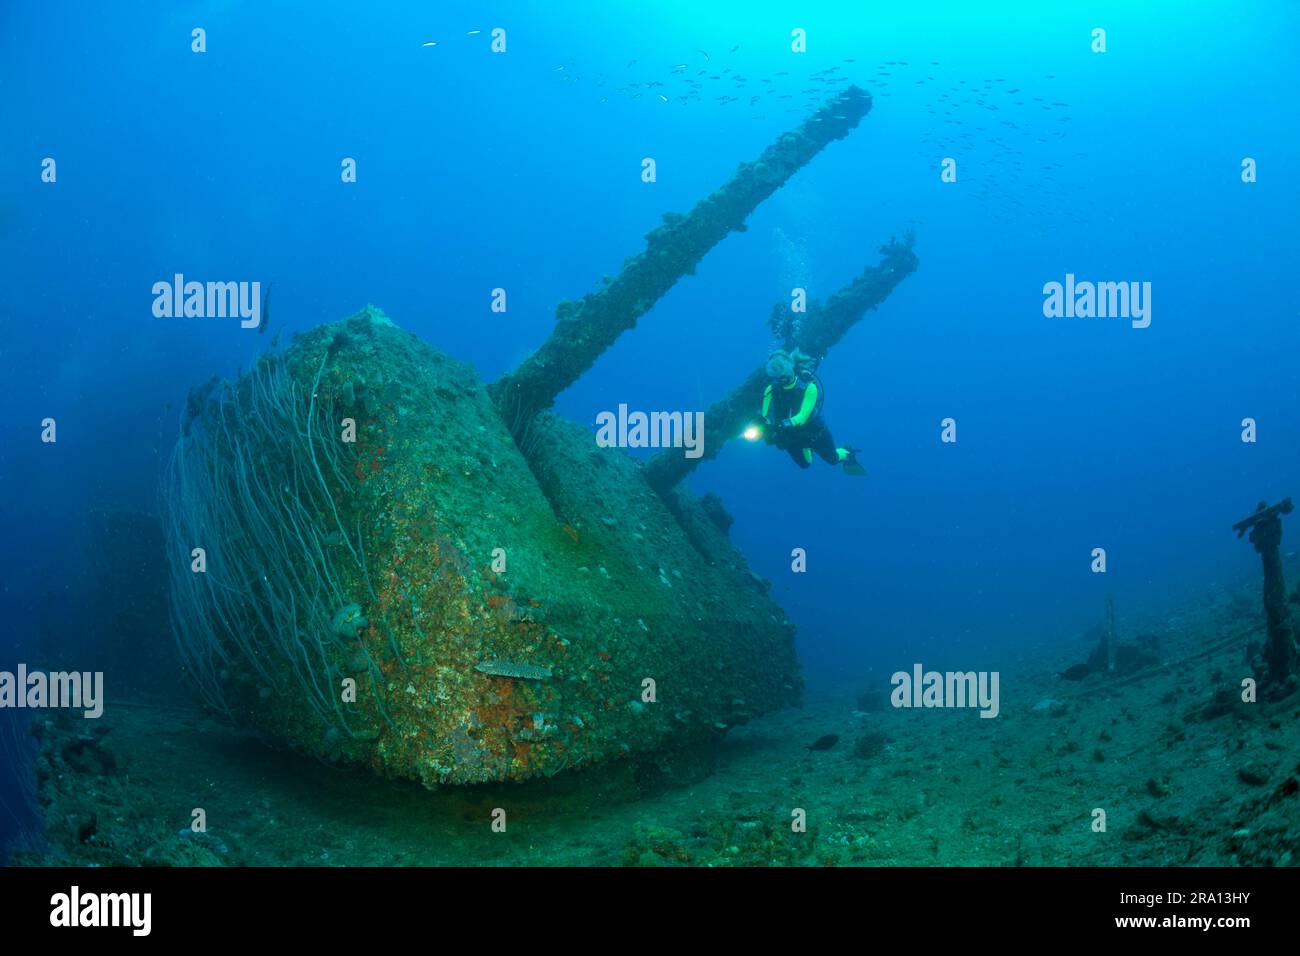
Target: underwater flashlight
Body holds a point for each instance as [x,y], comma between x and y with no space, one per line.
[752,433]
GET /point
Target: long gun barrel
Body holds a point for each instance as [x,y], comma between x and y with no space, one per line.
[586,328]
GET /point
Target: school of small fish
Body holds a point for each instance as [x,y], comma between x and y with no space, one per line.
[1001,133]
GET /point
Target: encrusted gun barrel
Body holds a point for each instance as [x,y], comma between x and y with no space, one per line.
[586,328]
[365,567]
[821,328]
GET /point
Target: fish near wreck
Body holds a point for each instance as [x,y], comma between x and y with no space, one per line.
[514,669]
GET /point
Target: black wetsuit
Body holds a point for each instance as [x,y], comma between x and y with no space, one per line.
[798,407]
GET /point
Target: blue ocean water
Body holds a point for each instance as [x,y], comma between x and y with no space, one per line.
[522,171]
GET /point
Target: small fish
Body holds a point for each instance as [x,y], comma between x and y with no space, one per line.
[430,43]
[680,66]
[1075,672]
[473,33]
[824,743]
[664,98]
[734,48]
[703,54]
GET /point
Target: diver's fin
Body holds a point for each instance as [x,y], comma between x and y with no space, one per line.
[851,464]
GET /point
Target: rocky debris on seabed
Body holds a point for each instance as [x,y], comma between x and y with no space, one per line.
[947,788]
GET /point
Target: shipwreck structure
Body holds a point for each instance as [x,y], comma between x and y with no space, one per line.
[379,559]
[1265,527]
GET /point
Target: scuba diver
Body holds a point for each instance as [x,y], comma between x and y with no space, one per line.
[792,413]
